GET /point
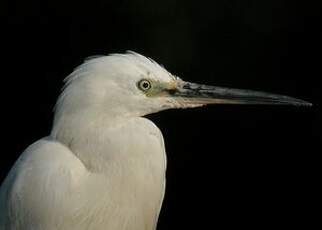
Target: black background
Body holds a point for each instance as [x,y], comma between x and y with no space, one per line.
[228,165]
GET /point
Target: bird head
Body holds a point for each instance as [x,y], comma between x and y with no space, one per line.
[133,85]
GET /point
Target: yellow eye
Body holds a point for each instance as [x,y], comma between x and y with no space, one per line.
[144,85]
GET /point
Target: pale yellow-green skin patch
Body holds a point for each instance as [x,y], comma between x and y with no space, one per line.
[159,89]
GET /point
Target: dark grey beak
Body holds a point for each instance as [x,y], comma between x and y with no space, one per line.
[203,94]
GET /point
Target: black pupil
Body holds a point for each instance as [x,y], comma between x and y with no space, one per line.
[145,85]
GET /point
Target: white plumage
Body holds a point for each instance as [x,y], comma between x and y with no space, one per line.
[103,165]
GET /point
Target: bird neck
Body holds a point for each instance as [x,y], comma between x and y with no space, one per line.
[83,133]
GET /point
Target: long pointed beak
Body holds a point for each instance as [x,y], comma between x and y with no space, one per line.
[193,93]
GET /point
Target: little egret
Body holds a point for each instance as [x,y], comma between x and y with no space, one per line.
[103,165]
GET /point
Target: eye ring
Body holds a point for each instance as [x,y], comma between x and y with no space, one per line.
[144,85]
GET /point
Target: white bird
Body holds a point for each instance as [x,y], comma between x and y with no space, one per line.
[103,165]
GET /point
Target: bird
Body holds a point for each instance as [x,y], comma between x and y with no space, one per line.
[103,165]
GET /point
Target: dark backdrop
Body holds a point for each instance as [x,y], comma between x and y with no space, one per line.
[241,166]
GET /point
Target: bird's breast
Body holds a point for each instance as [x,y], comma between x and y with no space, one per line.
[127,165]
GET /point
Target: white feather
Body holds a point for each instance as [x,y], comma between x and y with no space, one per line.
[103,166]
